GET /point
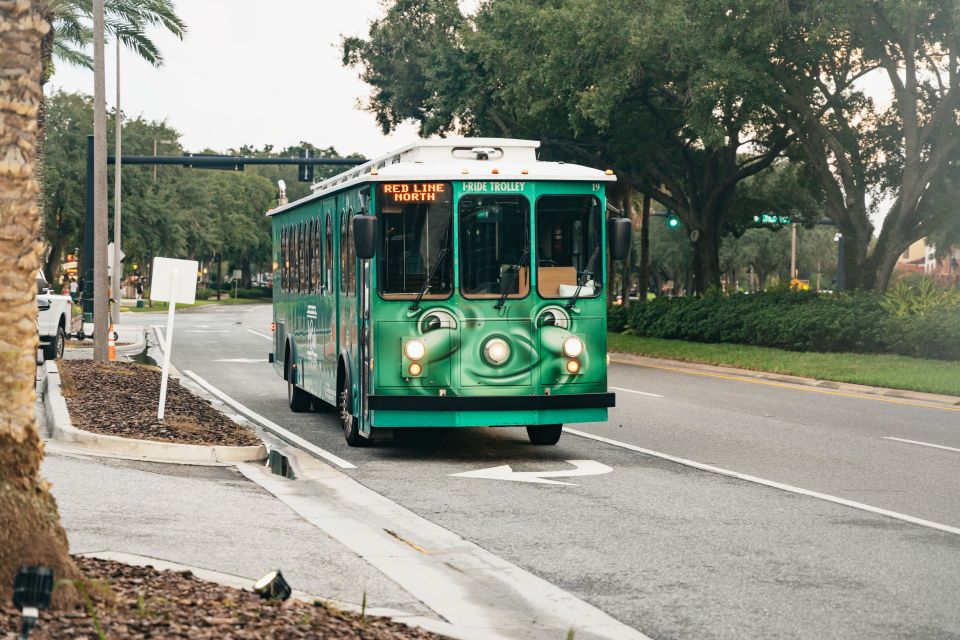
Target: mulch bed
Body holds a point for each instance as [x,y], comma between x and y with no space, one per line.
[141,602]
[120,399]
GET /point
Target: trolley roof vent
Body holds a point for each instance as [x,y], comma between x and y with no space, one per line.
[477,153]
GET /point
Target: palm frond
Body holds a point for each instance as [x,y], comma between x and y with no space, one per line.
[126,20]
[70,55]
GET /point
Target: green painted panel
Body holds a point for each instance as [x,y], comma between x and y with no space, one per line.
[476,371]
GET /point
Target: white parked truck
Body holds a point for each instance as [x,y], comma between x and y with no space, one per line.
[53,321]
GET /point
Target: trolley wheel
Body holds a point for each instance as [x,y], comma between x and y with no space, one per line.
[321,406]
[544,433]
[298,399]
[348,422]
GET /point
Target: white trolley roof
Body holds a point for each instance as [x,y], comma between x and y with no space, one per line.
[438,159]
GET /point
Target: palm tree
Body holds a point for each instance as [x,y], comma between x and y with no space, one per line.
[127,20]
[28,513]
[70,34]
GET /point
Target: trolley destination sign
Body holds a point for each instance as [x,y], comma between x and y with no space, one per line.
[416,192]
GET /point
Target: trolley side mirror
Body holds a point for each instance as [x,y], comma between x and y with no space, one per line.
[365,236]
[618,237]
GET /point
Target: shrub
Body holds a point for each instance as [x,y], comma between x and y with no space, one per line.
[256,292]
[205,294]
[616,319]
[785,319]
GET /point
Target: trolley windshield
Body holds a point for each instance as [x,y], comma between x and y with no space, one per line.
[416,236]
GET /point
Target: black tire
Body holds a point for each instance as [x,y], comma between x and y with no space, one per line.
[548,434]
[348,422]
[298,399]
[54,350]
[321,406]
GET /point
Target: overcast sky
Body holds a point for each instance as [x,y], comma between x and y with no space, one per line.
[252,72]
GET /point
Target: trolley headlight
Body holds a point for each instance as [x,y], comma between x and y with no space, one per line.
[414,349]
[496,351]
[572,347]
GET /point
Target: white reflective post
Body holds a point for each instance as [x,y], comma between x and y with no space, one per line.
[169,344]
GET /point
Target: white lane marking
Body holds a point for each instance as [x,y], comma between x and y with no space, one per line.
[207,331]
[271,426]
[639,393]
[770,483]
[262,335]
[243,360]
[504,472]
[158,331]
[922,444]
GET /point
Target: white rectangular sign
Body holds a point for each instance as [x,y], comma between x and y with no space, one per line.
[174,280]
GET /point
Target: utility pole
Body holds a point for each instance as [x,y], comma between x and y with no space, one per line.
[117,266]
[100,302]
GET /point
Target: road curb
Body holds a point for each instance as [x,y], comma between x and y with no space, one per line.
[134,347]
[246,584]
[62,430]
[827,385]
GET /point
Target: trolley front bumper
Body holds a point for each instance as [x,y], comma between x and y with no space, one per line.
[492,403]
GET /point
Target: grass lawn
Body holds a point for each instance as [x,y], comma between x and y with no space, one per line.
[895,372]
[162,306]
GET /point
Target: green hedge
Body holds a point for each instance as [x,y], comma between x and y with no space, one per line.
[255,292]
[798,321]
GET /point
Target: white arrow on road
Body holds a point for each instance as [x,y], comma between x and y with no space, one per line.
[245,360]
[504,472]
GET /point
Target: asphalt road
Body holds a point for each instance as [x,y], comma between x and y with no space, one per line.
[674,551]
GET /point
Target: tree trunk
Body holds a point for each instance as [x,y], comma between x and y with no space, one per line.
[28,513]
[627,269]
[644,272]
[706,260]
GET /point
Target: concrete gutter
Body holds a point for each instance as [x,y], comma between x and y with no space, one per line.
[826,385]
[79,441]
[480,594]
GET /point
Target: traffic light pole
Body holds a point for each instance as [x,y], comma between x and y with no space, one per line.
[85,259]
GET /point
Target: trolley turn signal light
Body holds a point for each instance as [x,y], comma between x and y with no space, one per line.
[573,366]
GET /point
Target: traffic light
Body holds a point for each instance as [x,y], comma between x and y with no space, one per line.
[673,220]
[305,172]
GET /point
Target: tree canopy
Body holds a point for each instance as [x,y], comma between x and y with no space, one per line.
[687,99]
[191,213]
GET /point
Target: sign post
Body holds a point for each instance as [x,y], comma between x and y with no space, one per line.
[172,281]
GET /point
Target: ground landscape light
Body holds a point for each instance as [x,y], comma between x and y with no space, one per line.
[272,586]
[32,588]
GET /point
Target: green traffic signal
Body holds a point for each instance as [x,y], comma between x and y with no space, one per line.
[673,221]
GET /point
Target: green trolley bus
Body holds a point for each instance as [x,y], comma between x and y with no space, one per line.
[452,283]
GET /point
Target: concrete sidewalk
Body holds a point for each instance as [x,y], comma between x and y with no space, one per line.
[212,518]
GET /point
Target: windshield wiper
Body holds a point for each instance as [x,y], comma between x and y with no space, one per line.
[426,283]
[516,272]
[588,271]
